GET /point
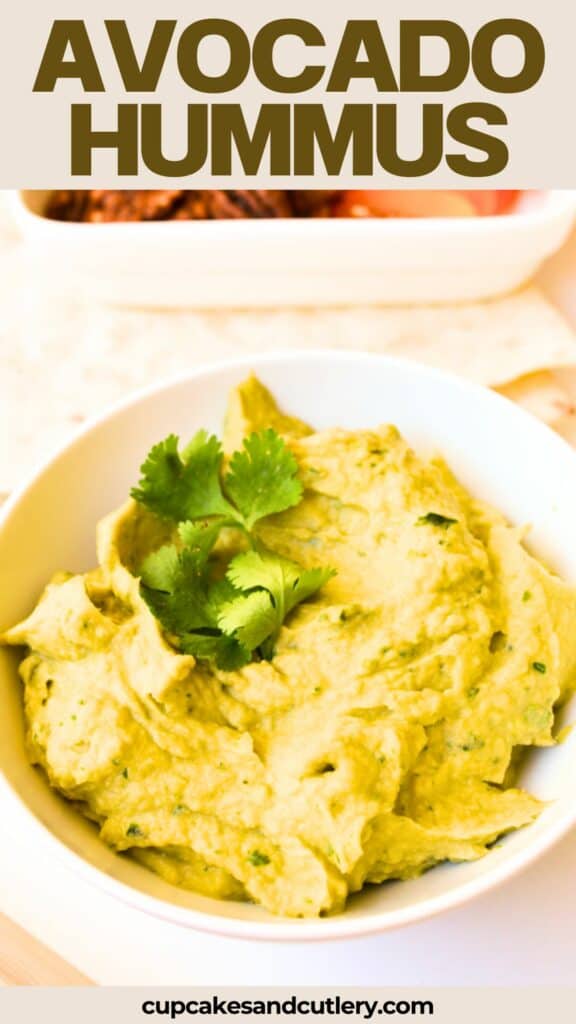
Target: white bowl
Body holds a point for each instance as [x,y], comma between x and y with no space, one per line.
[497,450]
[316,262]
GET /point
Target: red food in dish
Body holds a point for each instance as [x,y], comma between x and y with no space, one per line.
[419,203]
[104,206]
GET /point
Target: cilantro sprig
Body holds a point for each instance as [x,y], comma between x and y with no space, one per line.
[224,619]
[284,582]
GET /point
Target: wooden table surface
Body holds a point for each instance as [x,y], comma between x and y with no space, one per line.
[25,961]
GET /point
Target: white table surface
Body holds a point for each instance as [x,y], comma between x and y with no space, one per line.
[522,934]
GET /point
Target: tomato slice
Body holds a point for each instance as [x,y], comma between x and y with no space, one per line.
[490,204]
[424,203]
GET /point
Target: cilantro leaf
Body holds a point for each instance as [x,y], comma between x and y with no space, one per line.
[161,569]
[160,472]
[183,486]
[174,588]
[249,617]
[287,582]
[308,582]
[226,651]
[199,538]
[174,581]
[262,478]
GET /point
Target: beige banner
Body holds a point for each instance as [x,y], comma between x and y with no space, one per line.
[137,1005]
[173,132]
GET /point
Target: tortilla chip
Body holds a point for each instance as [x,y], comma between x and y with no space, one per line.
[545,395]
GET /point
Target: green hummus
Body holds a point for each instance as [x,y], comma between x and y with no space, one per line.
[380,738]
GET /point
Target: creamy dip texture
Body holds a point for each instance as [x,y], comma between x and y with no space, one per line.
[380,738]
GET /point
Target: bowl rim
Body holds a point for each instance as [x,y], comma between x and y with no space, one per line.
[283,929]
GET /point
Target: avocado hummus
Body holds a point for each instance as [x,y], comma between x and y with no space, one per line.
[378,740]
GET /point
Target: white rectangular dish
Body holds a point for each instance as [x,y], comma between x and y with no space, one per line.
[316,262]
